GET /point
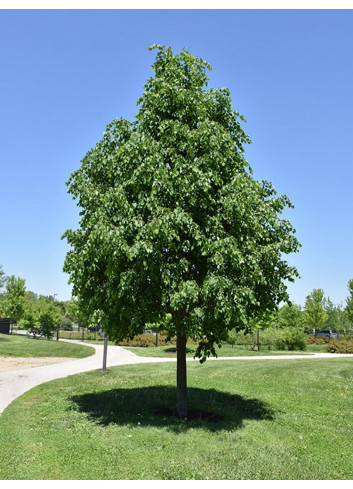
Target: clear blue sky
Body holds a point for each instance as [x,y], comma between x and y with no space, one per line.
[66,74]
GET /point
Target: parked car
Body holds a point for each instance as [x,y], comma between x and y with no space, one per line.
[149,331]
[327,333]
[93,329]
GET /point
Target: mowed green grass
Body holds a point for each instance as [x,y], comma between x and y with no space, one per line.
[22,346]
[282,419]
[225,351]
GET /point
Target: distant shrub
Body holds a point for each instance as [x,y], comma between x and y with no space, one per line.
[340,345]
[147,340]
[291,339]
[66,325]
[317,340]
[239,338]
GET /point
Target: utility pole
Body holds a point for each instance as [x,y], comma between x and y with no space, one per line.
[104,370]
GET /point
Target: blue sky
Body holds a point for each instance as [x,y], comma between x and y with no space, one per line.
[65,74]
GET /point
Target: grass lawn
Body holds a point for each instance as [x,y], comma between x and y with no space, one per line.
[282,419]
[225,351]
[23,346]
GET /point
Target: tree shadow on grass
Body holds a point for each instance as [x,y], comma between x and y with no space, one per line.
[154,406]
[174,350]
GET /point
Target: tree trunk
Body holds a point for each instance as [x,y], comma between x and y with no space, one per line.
[181,376]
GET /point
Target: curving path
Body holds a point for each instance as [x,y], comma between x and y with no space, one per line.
[15,382]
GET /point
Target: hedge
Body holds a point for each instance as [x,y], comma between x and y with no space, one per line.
[340,345]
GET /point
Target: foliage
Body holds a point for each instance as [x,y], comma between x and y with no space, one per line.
[146,340]
[66,324]
[290,316]
[79,335]
[315,315]
[174,229]
[291,339]
[232,338]
[41,318]
[340,345]
[317,340]
[282,330]
[336,317]
[72,310]
[12,305]
[2,278]
[349,303]
[290,320]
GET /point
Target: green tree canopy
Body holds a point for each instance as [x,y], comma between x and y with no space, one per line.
[2,278]
[315,314]
[12,304]
[174,229]
[290,316]
[349,303]
[41,317]
[336,317]
[75,312]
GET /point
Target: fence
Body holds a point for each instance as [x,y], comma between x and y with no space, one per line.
[82,335]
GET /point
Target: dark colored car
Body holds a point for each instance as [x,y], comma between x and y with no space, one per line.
[327,333]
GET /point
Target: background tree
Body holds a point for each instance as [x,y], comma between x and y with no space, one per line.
[2,278]
[2,285]
[31,296]
[75,311]
[315,314]
[336,317]
[261,323]
[174,230]
[349,304]
[41,318]
[290,320]
[290,316]
[14,298]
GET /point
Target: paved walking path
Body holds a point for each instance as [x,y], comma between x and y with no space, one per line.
[15,382]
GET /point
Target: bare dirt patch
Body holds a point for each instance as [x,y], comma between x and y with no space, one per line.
[15,363]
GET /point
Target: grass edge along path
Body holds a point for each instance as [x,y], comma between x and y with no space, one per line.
[280,420]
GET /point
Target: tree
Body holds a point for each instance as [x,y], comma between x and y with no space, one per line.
[174,230]
[291,321]
[13,302]
[349,303]
[290,316]
[2,277]
[31,296]
[315,314]
[41,318]
[2,284]
[336,317]
[75,311]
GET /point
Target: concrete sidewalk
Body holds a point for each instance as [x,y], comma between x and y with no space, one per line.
[15,382]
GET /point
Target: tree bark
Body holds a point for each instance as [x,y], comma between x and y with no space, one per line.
[181,376]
